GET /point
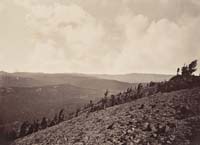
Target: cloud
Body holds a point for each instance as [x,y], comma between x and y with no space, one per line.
[156,46]
[68,30]
[103,36]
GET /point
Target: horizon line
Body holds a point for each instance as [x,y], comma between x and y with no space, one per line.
[83,73]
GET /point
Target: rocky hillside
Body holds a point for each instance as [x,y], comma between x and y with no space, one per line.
[160,119]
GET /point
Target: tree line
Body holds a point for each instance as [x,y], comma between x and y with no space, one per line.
[184,79]
[27,127]
[111,100]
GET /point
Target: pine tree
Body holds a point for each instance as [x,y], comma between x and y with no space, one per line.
[184,70]
[61,116]
[44,123]
[77,112]
[91,106]
[113,100]
[178,70]
[23,129]
[192,67]
[30,129]
[139,88]
[36,126]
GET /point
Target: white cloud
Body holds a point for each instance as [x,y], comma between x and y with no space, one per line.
[156,46]
[68,29]
[105,36]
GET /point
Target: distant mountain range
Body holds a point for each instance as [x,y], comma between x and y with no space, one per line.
[76,78]
[136,77]
[28,96]
[44,79]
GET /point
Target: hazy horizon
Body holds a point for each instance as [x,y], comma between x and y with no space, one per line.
[98,37]
[86,73]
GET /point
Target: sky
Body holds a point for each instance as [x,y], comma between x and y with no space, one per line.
[98,36]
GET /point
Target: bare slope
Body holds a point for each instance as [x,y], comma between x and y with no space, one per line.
[161,119]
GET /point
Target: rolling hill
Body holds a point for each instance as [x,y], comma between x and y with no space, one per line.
[22,103]
[28,96]
[41,79]
[44,79]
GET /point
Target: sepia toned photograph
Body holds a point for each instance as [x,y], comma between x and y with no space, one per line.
[99,72]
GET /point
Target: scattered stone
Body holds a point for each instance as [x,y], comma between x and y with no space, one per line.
[141,106]
[154,135]
[153,128]
[171,124]
[146,127]
[129,131]
[153,106]
[172,137]
[161,128]
[167,128]
[110,126]
[169,142]
[137,140]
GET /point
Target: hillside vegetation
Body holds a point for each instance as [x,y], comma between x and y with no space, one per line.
[168,118]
